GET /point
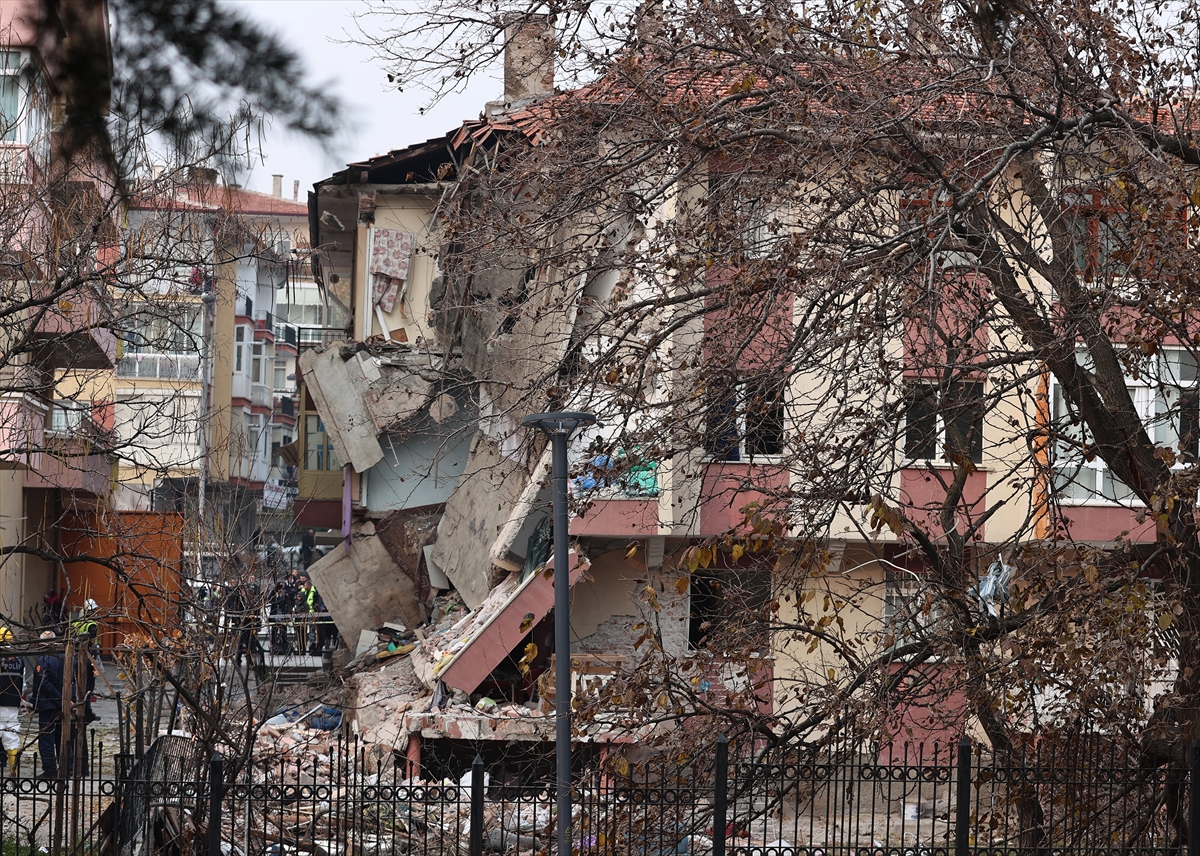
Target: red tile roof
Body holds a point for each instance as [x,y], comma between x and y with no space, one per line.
[212,197]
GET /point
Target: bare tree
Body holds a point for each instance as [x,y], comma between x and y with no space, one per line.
[930,269]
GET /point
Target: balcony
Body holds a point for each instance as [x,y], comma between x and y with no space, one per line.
[240,387]
[70,331]
[16,164]
[285,336]
[264,326]
[260,395]
[185,367]
[285,406]
[243,306]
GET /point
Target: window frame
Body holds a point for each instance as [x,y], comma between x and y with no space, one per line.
[1146,399]
[716,437]
[938,437]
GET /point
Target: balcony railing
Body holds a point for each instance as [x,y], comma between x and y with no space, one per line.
[263,321]
[285,405]
[319,337]
[285,334]
[160,366]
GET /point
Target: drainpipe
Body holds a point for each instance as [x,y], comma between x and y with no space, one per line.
[207,300]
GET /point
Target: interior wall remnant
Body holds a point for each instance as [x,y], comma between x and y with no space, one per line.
[481,504]
[364,587]
[405,534]
[605,608]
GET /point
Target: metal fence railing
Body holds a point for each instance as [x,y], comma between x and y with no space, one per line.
[340,797]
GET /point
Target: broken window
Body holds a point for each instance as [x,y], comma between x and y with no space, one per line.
[318,450]
[939,422]
[727,608]
[746,422]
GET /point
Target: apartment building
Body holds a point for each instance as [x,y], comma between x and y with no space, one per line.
[202,379]
[55,463]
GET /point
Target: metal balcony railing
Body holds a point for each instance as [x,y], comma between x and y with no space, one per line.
[319,337]
[264,321]
[286,334]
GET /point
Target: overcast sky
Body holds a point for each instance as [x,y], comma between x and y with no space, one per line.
[377,118]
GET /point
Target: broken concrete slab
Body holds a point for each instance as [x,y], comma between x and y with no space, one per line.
[364,588]
[481,505]
[466,653]
[443,408]
[501,553]
[341,401]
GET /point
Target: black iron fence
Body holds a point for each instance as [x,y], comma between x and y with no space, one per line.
[334,796]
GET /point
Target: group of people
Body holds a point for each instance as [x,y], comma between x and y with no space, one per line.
[43,688]
[295,599]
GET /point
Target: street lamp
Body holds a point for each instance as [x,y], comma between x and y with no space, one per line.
[559,427]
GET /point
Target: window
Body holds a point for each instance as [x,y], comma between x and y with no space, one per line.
[280,379]
[745,218]
[69,417]
[1166,396]
[162,341]
[747,421]
[318,452]
[909,608]
[1113,244]
[239,337]
[10,95]
[938,422]
[726,606]
[256,365]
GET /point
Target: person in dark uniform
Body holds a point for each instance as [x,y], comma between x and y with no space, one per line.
[281,609]
[12,683]
[237,613]
[308,546]
[47,700]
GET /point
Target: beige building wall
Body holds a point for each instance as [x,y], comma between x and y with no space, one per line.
[406,213]
[221,372]
[850,595]
[12,532]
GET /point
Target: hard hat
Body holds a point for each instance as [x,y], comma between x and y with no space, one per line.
[90,605]
[47,634]
[5,634]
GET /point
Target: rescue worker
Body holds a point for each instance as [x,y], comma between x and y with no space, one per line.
[84,631]
[281,610]
[306,603]
[12,683]
[48,701]
[308,546]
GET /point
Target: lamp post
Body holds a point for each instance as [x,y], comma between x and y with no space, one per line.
[559,427]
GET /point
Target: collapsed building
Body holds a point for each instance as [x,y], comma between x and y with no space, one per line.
[412,445]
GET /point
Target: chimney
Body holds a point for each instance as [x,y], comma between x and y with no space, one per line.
[296,190]
[277,185]
[199,175]
[529,48]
